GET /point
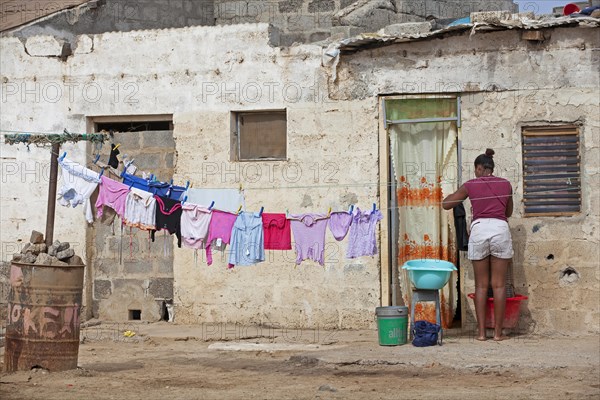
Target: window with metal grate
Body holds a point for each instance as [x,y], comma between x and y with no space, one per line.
[551,171]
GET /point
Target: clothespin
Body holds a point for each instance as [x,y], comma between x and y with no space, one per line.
[97,158]
[261,211]
[171,183]
[187,185]
[241,188]
[239,209]
[374,207]
[351,209]
[329,212]
[117,146]
[63,156]
[211,205]
[101,173]
[184,200]
[130,186]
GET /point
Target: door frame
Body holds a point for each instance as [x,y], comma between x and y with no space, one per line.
[389,283]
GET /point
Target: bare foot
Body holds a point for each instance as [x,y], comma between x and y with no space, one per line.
[481,338]
[500,338]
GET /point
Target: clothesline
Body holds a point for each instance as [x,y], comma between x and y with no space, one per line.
[540,192]
[249,234]
[566,188]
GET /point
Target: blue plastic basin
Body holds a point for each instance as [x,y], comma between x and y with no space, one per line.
[429,274]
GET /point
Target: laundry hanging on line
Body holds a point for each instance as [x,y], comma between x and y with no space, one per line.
[77,185]
[135,201]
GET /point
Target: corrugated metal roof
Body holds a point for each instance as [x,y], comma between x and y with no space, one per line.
[368,40]
[14,13]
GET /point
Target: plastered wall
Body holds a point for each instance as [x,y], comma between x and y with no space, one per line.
[507,83]
[199,75]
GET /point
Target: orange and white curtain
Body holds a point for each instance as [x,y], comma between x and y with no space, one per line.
[424,157]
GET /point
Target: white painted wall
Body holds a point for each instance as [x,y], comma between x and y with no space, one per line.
[199,75]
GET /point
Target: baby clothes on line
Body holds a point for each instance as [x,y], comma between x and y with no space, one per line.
[168,216]
[309,236]
[247,240]
[361,239]
[339,224]
[77,185]
[140,210]
[219,232]
[112,194]
[277,232]
[195,221]
[113,161]
[162,189]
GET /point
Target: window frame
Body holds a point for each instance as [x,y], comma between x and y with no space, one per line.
[553,131]
[236,142]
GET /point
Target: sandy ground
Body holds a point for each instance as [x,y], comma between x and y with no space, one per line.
[165,361]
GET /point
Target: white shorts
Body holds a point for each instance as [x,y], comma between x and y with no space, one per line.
[490,236]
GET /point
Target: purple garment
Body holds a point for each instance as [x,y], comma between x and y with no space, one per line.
[309,237]
[339,223]
[361,240]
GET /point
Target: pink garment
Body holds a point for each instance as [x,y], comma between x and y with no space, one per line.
[195,220]
[309,236]
[489,196]
[277,234]
[112,194]
[219,230]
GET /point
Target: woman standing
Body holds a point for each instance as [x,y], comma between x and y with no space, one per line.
[490,242]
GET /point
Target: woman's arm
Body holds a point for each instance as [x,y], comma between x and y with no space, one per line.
[455,198]
[509,206]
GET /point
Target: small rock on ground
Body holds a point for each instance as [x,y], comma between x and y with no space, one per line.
[327,388]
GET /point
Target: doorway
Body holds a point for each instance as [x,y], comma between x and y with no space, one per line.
[129,276]
[423,153]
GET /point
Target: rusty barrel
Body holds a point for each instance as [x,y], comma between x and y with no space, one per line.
[43,317]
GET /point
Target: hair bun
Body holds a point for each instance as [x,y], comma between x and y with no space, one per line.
[489,152]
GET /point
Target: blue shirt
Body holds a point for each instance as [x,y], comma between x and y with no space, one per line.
[247,240]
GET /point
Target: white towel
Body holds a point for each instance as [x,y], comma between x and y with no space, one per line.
[225,199]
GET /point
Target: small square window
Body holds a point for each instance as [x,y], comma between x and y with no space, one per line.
[259,135]
[551,171]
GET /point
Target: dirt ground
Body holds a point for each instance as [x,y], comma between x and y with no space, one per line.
[165,361]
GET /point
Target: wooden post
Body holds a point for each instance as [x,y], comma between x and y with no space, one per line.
[52,193]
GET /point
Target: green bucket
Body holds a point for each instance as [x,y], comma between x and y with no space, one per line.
[392,325]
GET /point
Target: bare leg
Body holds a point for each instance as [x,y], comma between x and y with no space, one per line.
[482,281]
[499,271]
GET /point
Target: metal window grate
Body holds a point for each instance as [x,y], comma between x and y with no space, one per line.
[551,171]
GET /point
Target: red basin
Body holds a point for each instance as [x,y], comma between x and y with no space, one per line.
[511,313]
